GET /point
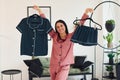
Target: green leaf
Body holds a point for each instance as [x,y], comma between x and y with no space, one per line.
[111,21]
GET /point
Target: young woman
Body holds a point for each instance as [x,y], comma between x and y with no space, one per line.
[62,48]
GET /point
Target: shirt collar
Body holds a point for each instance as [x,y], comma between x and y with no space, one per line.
[34,21]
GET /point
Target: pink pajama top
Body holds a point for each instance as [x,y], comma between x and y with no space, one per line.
[62,50]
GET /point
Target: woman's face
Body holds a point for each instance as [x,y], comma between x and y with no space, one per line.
[60,28]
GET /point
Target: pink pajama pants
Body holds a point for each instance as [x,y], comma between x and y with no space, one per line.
[59,72]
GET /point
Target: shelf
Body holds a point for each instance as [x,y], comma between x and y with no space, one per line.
[106,63]
[107,77]
[109,64]
[110,52]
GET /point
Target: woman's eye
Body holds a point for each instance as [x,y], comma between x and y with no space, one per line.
[61,25]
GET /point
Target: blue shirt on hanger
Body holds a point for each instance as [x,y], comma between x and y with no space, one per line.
[34,38]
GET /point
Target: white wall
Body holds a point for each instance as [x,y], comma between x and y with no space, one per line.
[0,31]
[12,11]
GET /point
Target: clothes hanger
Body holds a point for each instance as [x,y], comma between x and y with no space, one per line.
[34,21]
[35,18]
[77,20]
[35,15]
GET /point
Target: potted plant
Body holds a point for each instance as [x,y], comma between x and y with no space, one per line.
[109,39]
[109,68]
[110,25]
[111,55]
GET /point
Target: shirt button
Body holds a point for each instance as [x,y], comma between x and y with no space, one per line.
[33,38]
[32,45]
[33,30]
[33,53]
[60,55]
[58,62]
[61,46]
[60,59]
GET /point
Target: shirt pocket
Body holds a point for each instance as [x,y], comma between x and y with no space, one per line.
[41,31]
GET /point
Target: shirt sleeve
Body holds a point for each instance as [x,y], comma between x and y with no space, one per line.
[20,27]
[50,30]
[52,33]
[48,26]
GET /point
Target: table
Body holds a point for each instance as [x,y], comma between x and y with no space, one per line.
[11,72]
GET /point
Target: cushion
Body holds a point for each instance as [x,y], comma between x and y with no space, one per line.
[74,70]
[45,62]
[78,71]
[28,62]
[35,66]
[79,60]
[85,65]
[36,69]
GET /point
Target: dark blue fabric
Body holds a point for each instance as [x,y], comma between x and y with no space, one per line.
[34,39]
[34,66]
[79,60]
[85,65]
[81,63]
[86,36]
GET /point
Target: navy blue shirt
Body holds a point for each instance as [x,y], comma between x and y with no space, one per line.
[34,38]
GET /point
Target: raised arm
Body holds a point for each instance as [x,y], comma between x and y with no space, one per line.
[85,15]
[52,33]
[39,11]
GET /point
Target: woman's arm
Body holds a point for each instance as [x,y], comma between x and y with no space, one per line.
[39,11]
[85,15]
[52,33]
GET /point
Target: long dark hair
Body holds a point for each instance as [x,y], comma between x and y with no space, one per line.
[66,29]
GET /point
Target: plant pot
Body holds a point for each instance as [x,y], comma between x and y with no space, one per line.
[111,61]
[111,75]
[109,27]
[110,45]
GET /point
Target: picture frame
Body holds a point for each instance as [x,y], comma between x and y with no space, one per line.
[45,9]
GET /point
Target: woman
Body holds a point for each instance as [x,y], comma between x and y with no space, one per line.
[62,48]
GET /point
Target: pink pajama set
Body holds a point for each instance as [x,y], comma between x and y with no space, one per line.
[62,55]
